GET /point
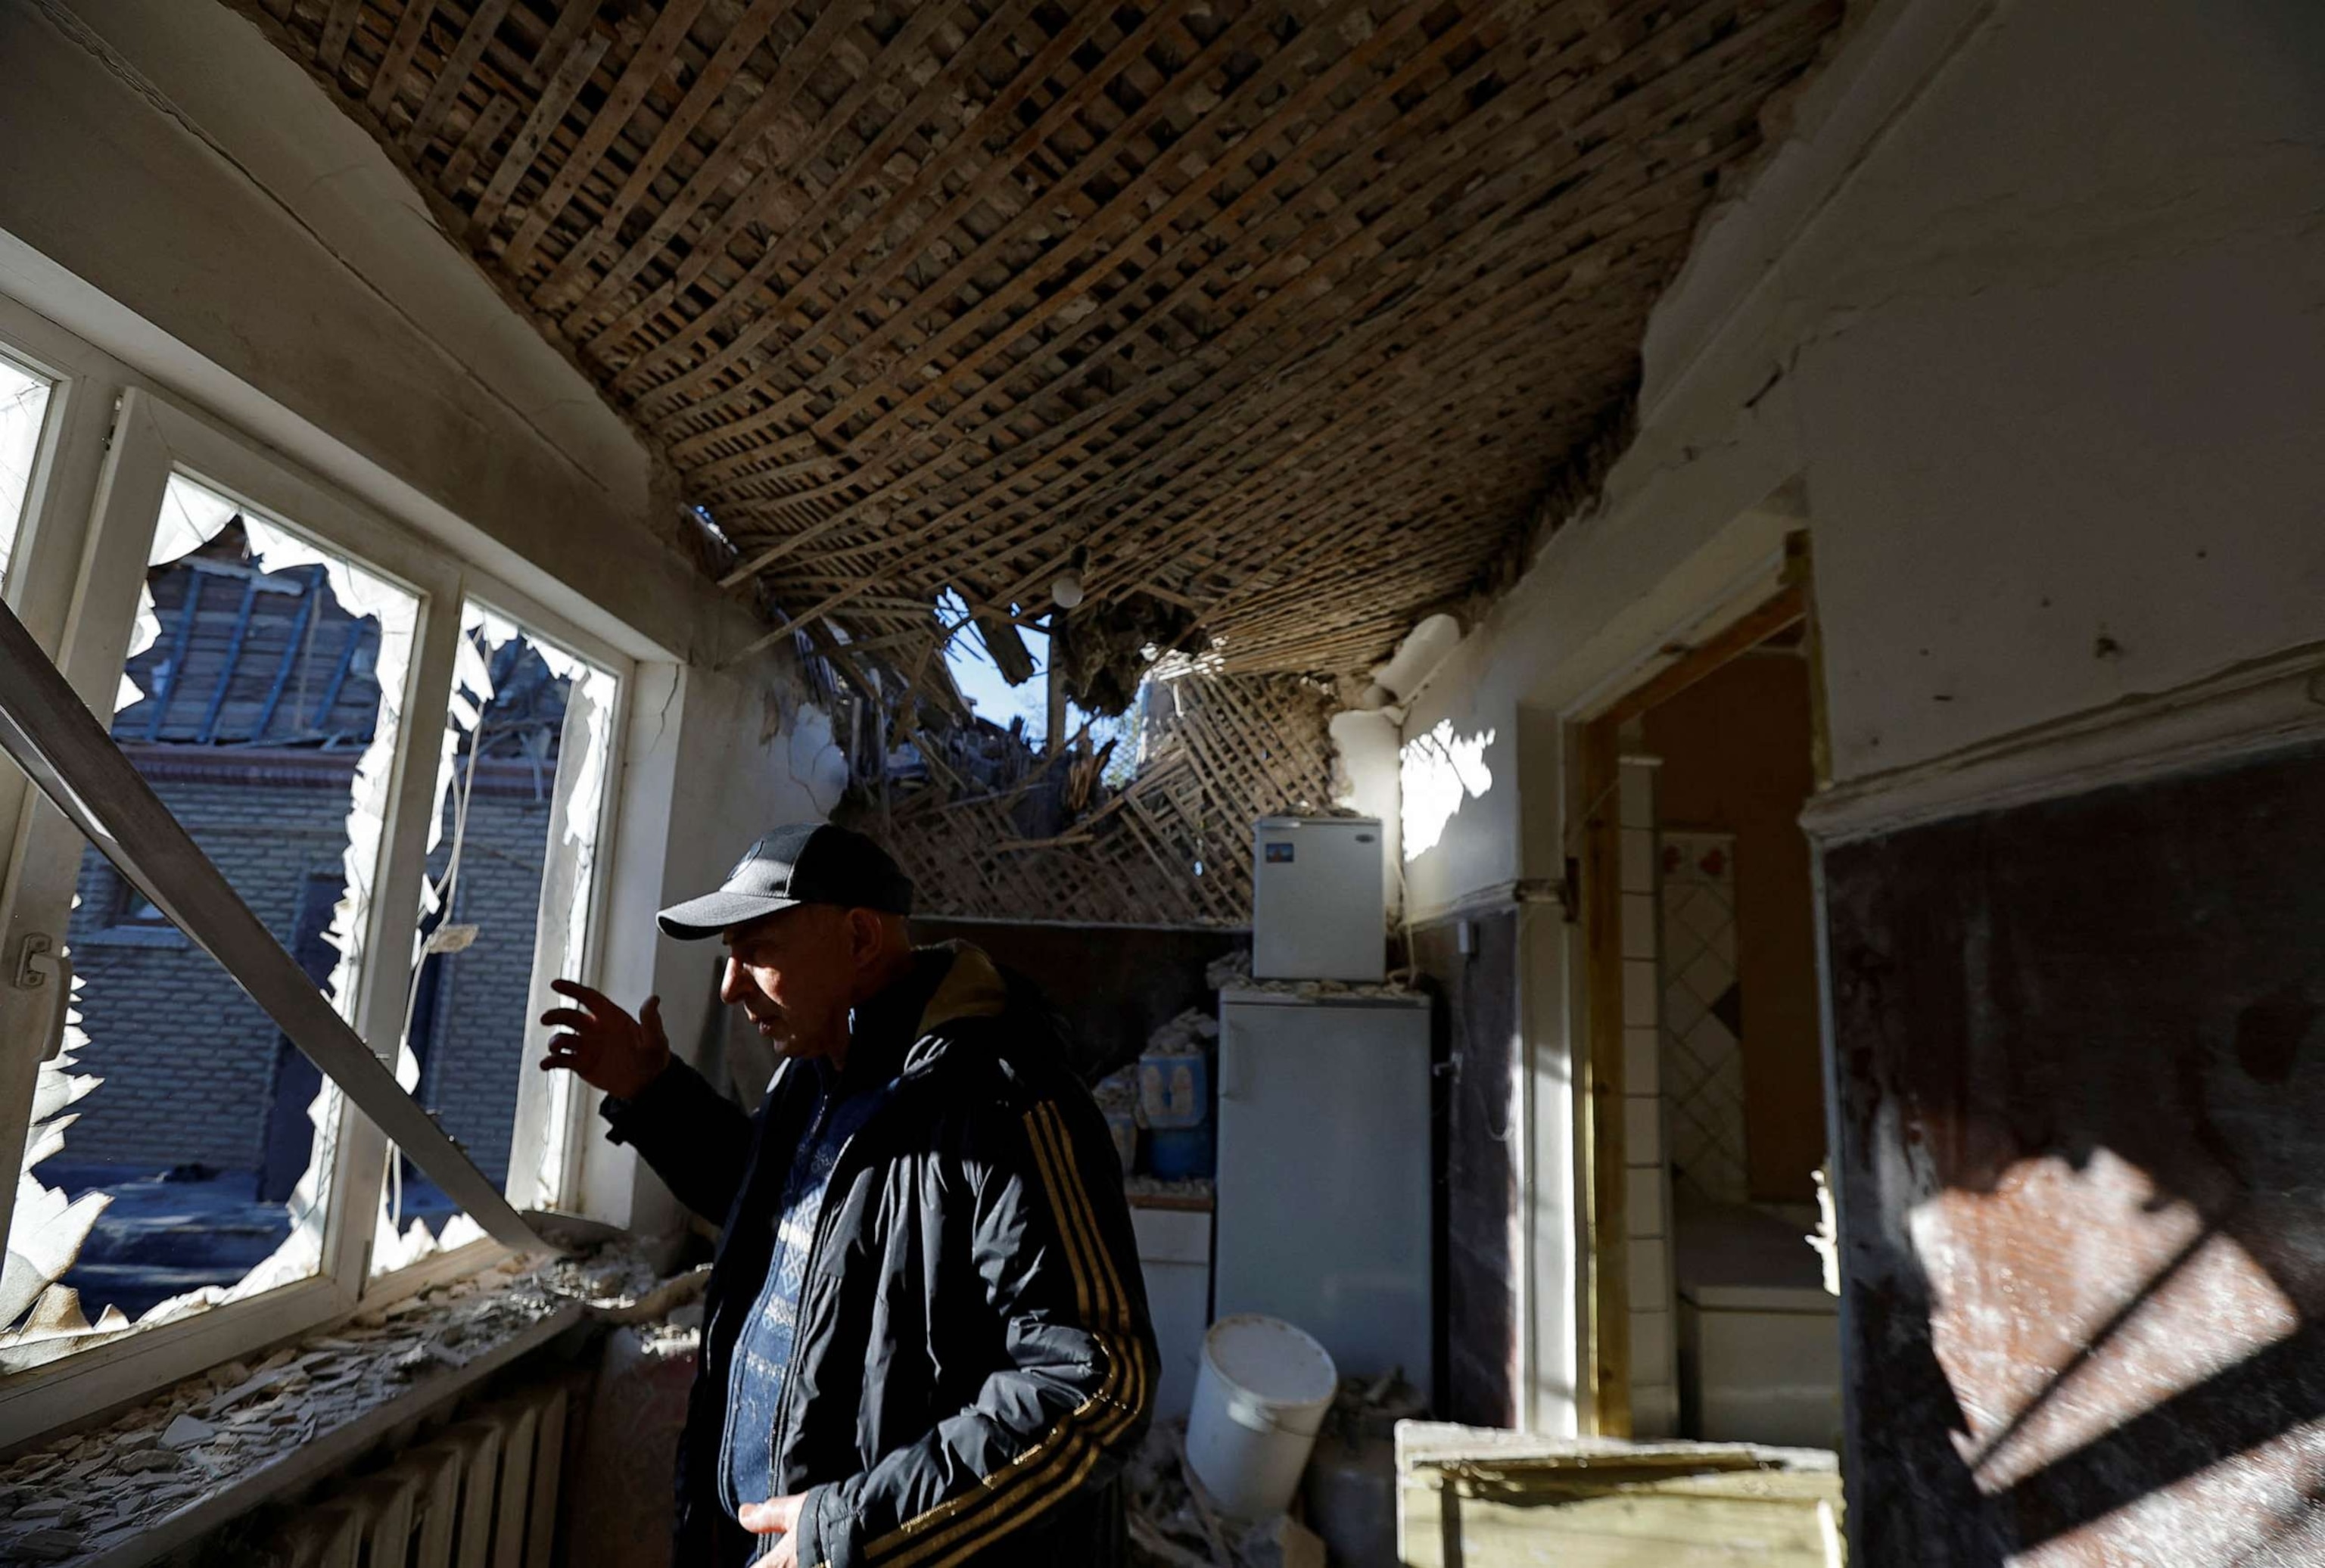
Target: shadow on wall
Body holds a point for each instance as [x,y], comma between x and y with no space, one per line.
[2082,1049]
[1113,986]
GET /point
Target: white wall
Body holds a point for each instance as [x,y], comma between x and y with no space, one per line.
[2024,321]
[1364,751]
[2034,302]
[705,774]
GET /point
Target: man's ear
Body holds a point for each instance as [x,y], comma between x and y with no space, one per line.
[863,936]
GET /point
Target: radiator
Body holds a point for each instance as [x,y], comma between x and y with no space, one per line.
[481,1493]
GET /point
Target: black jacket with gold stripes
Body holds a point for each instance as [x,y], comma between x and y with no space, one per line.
[973,1359]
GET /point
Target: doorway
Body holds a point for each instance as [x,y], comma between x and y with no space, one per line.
[1710,1312]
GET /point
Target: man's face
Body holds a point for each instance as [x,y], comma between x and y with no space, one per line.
[794,973]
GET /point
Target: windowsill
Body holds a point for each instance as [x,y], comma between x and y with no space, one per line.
[135,936]
[333,1395]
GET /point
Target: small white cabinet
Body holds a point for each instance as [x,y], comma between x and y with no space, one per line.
[1175,1255]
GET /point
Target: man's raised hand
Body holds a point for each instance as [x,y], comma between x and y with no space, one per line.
[608,1048]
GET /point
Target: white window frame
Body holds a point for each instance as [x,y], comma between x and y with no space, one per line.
[538,621]
[107,447]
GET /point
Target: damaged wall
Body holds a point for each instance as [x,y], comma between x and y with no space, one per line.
[2052,394]
[1476,1021]
[1113,986]
[2024,321]
[1169,846]
[2082,1128]
[216,257]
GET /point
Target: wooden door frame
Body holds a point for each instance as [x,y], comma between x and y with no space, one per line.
[1607,1322]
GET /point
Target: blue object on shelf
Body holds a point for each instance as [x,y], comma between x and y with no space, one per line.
[1175,1154]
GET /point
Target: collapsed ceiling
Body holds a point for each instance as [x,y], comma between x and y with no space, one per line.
[1282,315]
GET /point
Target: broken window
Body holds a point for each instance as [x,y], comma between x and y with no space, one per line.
[260,700]
[513,876]
[238,714]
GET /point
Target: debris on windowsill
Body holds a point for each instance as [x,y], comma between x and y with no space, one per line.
[82,1495]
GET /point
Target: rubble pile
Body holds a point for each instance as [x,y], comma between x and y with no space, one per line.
[84,1494]
[1192,1030]
[1174,1524]
[1232,972]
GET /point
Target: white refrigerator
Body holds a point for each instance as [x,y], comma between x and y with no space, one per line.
[1324,1173]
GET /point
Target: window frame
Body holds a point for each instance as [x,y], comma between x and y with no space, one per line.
[538,622]
[107,448]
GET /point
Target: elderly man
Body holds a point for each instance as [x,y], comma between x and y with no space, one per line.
[925,1342]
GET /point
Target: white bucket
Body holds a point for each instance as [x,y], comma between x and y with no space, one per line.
[1260,1395]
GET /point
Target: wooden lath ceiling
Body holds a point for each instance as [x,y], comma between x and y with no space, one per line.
[1282,312]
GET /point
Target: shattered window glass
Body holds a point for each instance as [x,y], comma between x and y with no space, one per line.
[23,406]
[181,1148]
[511,875]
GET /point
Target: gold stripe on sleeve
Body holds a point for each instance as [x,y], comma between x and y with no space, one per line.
[1053,1468]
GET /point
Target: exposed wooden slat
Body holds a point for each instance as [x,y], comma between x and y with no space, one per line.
[339,26]
[475,143]
[742,141]
[411,22]
[653,57]
[573,16]
[581,58]
[482,23]
[1293,315]
[750,30]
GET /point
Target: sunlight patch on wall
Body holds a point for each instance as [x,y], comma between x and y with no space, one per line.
[2070,1301]
[1437,771]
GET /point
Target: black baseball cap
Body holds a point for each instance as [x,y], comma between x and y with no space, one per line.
[803,863]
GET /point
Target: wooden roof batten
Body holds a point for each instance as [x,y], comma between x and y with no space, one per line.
[1285,313]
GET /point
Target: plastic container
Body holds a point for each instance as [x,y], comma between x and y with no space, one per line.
[1178,1154]
[1351,1481]
[1173,1089]
[1260,1396]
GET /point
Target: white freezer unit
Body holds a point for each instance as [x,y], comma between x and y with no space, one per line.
[1324,1175]
[1317,907]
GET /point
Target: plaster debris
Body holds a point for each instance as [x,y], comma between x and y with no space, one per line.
[1232,972]
[144,1462]
[87,1493]
[1173,1524]
[47,1545]
[1199,1188]
[1192,1030]
[279,1377]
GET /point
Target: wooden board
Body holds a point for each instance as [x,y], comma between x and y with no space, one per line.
[1500,1499]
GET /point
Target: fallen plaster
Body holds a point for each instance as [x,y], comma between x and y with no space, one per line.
[218,1445]
[1232,972]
